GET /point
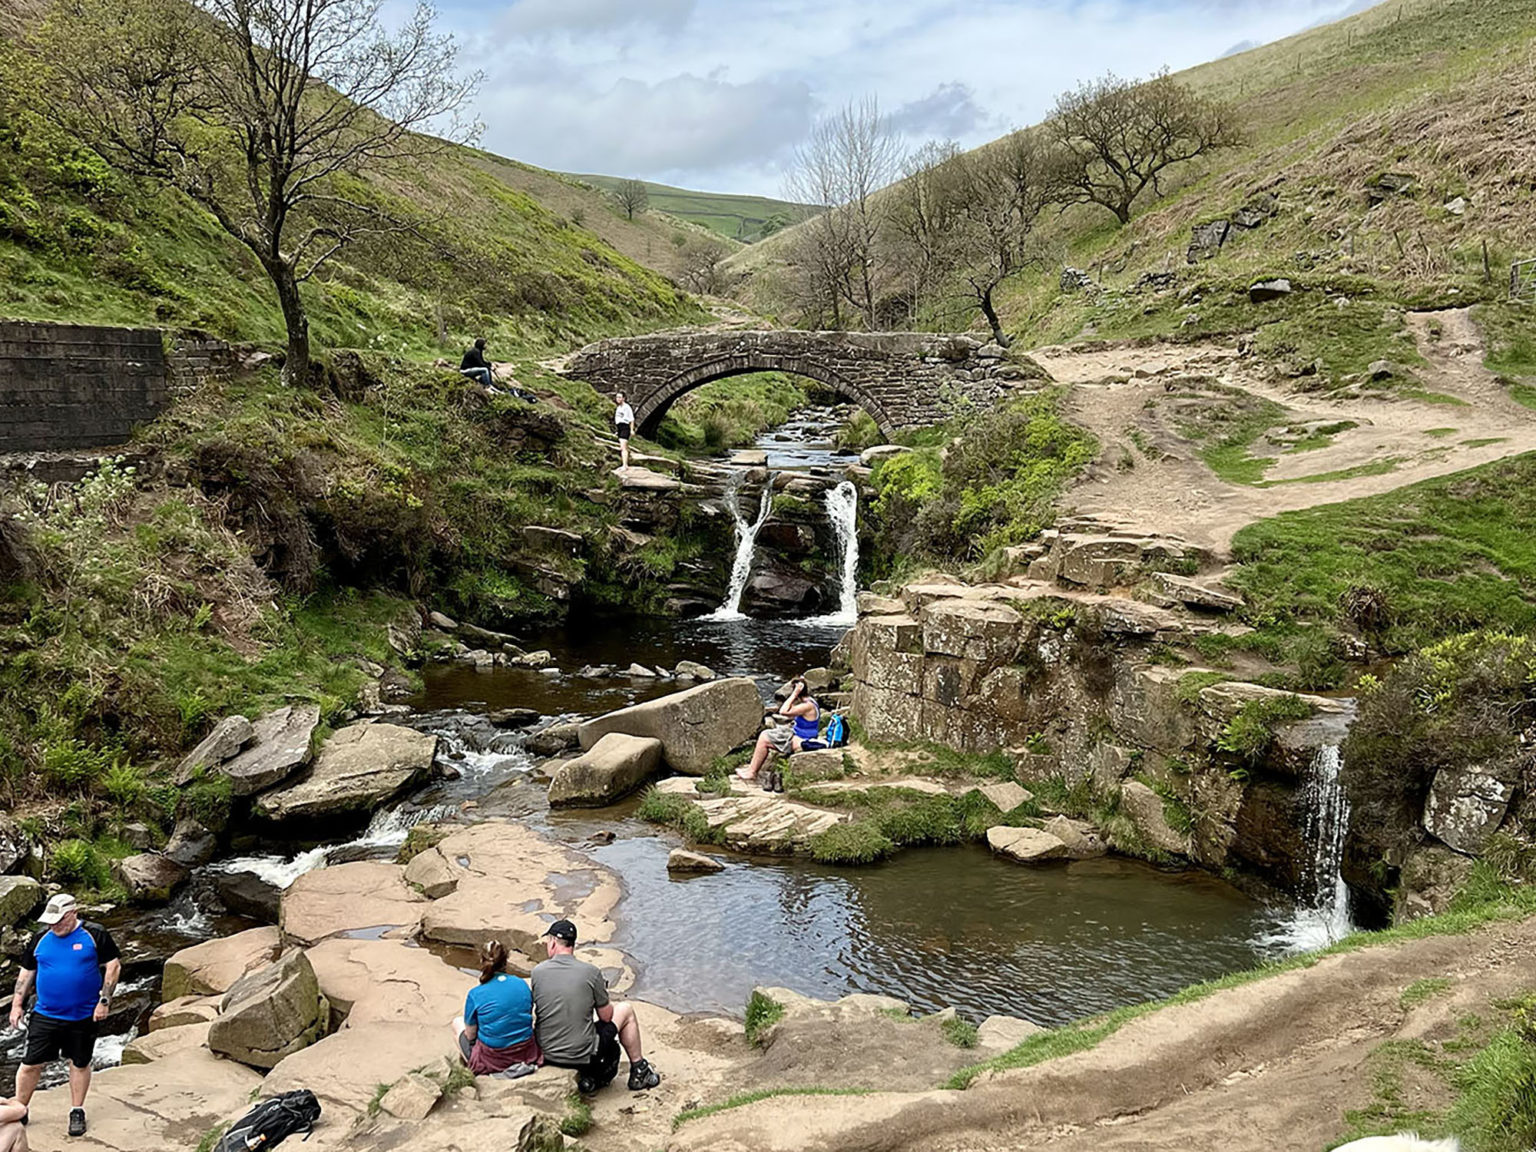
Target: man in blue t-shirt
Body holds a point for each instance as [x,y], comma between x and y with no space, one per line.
[75,966]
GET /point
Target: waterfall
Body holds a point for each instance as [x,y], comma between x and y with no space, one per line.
[746,543]
[1323,915]
[843,512]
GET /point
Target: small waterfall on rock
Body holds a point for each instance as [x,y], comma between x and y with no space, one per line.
[843,512]
[1323,917]
[746,544]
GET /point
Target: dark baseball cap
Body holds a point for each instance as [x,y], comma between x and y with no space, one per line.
[562,930]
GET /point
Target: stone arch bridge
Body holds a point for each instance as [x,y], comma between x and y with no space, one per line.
[902,379]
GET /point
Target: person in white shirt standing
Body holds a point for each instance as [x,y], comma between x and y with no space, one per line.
[624,425]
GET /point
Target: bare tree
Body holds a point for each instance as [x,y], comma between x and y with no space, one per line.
[847,160]
[923,216]
[632,196]
[265,112]
[1003,189]
[701,265]
[1121,135]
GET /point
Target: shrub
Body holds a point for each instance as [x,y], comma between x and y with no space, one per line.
[763,1012]
[208,800]
[78,862]
[1249,734]
[71,764]
[124,786]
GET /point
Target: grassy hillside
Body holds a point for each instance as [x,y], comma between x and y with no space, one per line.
[1438,90]
[740,218]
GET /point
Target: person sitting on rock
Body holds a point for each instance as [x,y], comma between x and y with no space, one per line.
[475,365]
[576,1025]
[796,721]
[496,1034]
[13,1126]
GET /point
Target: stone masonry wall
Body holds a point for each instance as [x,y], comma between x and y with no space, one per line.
[70,386]
[76,386]
[902,379]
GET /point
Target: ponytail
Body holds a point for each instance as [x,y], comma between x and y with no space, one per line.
[493,960]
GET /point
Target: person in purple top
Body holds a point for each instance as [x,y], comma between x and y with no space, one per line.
[74,965]
[797,721]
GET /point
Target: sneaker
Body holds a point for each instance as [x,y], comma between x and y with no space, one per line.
[766,776]
[778,781]
[77,1120]
[585,1085]
[643,1076]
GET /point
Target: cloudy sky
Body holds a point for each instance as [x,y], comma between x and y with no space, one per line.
[716,94]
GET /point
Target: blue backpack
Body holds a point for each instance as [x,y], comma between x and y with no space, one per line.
[837,731]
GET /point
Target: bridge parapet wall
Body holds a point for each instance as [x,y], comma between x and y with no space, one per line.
[902,379]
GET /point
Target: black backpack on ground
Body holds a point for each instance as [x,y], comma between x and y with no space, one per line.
[272,1121]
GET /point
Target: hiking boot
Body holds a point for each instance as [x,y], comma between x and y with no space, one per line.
[767,775]
[643,1076]
[778,781]
[77,1119]
[585,1085]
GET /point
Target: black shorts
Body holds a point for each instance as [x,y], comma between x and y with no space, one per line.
[48,1039]
[604,1064]
[623,430]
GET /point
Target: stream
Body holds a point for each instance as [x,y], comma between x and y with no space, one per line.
[937,927]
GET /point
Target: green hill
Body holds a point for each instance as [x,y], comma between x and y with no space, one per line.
[1439,91]
[744,218]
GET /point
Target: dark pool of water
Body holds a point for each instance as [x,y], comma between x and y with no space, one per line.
[937,927]
[768,650]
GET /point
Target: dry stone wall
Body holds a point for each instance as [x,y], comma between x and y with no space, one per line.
[902,379]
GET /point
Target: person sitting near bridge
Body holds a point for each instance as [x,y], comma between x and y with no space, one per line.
[795,722]
[475,365]
[496,1033]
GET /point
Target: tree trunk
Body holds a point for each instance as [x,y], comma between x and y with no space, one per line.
[991,314]
[296,366]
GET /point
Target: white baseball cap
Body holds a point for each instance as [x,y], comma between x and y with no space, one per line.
[58,908]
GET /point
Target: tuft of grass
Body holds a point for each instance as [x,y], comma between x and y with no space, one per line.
[678,812]
[1249,734]
[745,1098]
[1389,1111]
[1495,1110]
[960,1033]
[1421,990]
[577,1120]
[763,1012]
[854,842]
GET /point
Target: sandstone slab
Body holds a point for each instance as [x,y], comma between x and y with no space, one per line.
[1006,795]
[271,1013]
[681,860]
[611,769]
[344,1068]
[184,1011]
[695,726]
[1001,1033]
[387,981]
[972,629]
[149,877]
[1081,838]
[363,894]
[165,1042]
[433,874]
[411,1097]
[229,735]
[280,748]
[212,968]
[359,768]
[1028,845]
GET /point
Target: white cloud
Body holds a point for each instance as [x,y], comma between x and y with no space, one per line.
[716,93]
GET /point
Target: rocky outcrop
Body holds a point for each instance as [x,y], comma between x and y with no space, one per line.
[363,894]
[1146,809]
[271,1013]
[694,726]
[762,823]
[214,967]
[359,768]
[280,747]
[608,771]
[229,735]
[19,897]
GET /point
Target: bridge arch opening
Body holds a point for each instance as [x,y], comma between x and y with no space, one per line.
[653,409]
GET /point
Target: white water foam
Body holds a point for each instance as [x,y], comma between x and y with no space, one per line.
[746,545]
[1323,916]
[387,829]
[843,512]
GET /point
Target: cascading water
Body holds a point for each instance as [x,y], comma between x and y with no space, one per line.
[843,512]
[746,545]
[1324,916]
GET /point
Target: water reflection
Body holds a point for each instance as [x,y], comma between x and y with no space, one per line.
[936,927]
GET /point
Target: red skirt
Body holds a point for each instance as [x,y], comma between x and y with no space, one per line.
[485,1061]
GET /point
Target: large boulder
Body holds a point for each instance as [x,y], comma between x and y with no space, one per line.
[348,898]
[229,735]
[191,845]
[694,726]
[280,748]
[249,895]
[149,877]
[19,895]
[610,770]
[271,1013]
[214,967]
[360,767]
[1145,808]
[1466,806]
[1027,845]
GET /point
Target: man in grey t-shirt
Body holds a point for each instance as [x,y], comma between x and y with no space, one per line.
[575,1024]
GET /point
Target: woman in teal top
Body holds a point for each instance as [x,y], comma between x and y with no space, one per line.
[498,1018]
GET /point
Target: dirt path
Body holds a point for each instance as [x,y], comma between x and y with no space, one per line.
[1150,474]
[1273,1064]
